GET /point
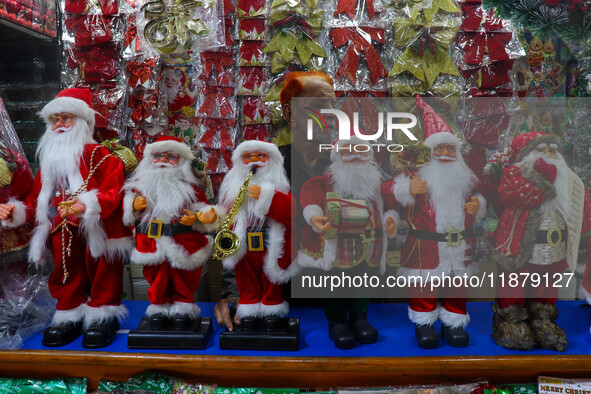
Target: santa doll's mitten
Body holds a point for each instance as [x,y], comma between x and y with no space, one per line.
[547,335]
[547,170]
[510,328]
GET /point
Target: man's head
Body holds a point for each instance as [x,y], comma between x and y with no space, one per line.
[69,120]
[314,84]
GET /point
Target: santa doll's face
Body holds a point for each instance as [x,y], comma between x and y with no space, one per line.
[260,158]
[445,153]
[549,150]
[352,153]
[165,159]
[62,122]
[172,80]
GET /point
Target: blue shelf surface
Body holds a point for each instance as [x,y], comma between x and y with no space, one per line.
[396,337]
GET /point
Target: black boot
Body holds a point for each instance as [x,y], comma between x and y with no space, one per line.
[61,334]
[455,336]
[158,321]
[100,334]
[272,322]
[364,332]
[184,322]
[249,323]
[427,337]
[342,336]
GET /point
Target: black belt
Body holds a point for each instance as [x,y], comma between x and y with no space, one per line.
[256,238]
[553,236]
[451,237]
[157,229]
[377,234]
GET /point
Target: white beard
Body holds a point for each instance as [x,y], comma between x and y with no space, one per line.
[273,173]
[59,153]
[171,93]
[168,190]
[562,200]
[448,187]
[356,180]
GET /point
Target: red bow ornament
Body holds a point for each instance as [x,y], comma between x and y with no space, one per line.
[350,6]
[142,104]
[140,72]
[360,40]
[90,29]
[214,127]
[213,161]
[222,64]
[217,97]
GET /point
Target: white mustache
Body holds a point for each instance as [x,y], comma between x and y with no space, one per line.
[163,165]
[355,157]
[62,130]
[446,158]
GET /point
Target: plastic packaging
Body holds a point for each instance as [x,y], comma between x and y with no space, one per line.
[50,386]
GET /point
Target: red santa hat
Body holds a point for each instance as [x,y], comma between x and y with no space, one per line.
[167,143]
[435,129]
[525,143]
[75,101]
[256,146]
[353,140]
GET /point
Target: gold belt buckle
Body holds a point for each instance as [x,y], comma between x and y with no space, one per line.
[155,229]
[453,237]
[255,242]
[551,232]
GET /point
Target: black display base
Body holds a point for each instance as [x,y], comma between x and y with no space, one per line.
[170,338]
[285,337]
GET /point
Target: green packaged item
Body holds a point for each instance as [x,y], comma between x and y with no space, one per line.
[236,390]
[522,388]
[147,382]
[48,386]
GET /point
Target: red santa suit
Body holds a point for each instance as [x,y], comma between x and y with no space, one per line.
[425,252]
[87,279]
[522,192]
[174,261]
[260,273]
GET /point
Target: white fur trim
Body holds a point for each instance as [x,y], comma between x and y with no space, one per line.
[240,229]
[19,214]
[392,213]
[275,245]
[585,295]
[158,309]
[401,190]
[274,310]
[325,262]
[443,137]
[141,258]
[310,211]
[255,145]
[91,224]
[38,242]
[248,310]
[175,254]
[442,268]
[130,215]
[423,318]
[481,209]
[69,105]
[169,146]
[453,320]
[94,315]
[71,315]
[118,248]
[262,205]
[185,308]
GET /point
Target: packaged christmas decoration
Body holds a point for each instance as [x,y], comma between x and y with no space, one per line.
[358,11]
[145,382]
[50,386]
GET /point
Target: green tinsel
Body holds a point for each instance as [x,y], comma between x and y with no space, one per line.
[544,20]
[584,61]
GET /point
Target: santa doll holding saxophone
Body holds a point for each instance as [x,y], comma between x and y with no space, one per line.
[440,203]
[166,205]
[544,209]
[263,261]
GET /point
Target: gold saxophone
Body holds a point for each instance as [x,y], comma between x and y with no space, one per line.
[227,242]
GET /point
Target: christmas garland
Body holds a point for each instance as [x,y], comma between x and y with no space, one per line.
[569,19]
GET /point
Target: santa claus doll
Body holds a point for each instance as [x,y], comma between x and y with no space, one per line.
[75,202]
[166,205]
[531,238]
[440,204]
[263,226]
[354,179]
